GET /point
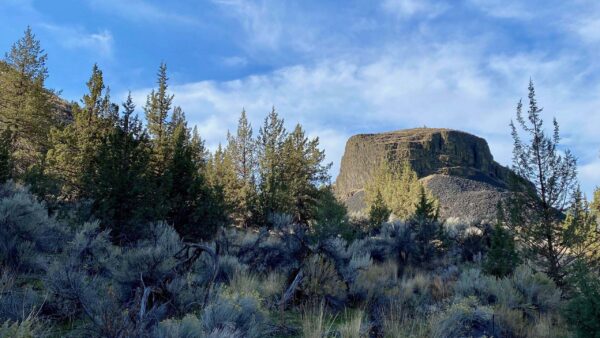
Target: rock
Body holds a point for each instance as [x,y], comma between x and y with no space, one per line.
[457,167]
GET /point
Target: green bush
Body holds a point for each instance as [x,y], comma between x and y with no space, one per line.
[583,310]
[502,258]
[321,280]
[466,318]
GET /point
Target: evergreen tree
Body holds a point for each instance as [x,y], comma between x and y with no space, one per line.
[399,187]
[120,186]
[583,309]
[241,149]
[26,106]
[535,213]
[302,173]
[378,212]
[595,207]
[71,158]
[270,142]
[5,156]
[428,231]
[158,105]
[502,258]
[331,216]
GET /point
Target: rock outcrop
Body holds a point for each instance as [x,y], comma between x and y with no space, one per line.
[457,167]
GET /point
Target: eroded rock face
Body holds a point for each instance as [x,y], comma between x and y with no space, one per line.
[438,154]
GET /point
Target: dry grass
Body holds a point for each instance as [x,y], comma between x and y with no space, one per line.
[351,328]
[316,322]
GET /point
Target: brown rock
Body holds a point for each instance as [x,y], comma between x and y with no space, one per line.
[452,164]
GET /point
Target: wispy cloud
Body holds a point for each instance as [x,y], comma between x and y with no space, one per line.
[100,43]
[143,11]
[409,8]
[447,86]
[235,61]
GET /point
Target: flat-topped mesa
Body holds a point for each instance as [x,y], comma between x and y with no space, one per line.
[429,152]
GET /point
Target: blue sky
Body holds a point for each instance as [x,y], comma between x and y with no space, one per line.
[338,67]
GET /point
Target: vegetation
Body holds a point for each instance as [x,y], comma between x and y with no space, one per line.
[114,227]
[536,214]
[502,257]
[398,186]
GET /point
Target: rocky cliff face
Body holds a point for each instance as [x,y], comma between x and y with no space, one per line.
[454,165]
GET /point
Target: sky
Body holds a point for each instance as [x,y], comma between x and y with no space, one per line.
[338,67]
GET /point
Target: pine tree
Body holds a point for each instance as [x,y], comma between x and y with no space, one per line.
[428,231]
[26,109]
[535,212]
[502,258]
[378,212]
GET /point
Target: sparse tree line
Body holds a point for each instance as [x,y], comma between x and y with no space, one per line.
[117,226]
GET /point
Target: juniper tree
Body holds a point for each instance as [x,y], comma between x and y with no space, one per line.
[502,258]
[25,105]
[70,160]
[331,216]
[158,105]
[596,203]
[241,149]
[303,171]
[546,191]
[271,137]
[5,156]
[399,187]
[428,231]
[121,184]
[378,212]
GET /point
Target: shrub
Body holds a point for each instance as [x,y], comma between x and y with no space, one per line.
[28,328]
[373,280]
[466,318]
[27,233]
[235,313]
[188,327]
[583,310]
[321,280]
[502,258]
[537,289]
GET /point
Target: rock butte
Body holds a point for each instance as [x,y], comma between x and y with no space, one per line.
[457,167]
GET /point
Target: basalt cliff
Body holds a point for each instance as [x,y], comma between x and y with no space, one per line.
[457,167]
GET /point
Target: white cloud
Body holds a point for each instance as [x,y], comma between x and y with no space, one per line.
[142,10]
[100,43]
[409,8]
[507,9]
[235,61]
[446,86]
[260,20]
